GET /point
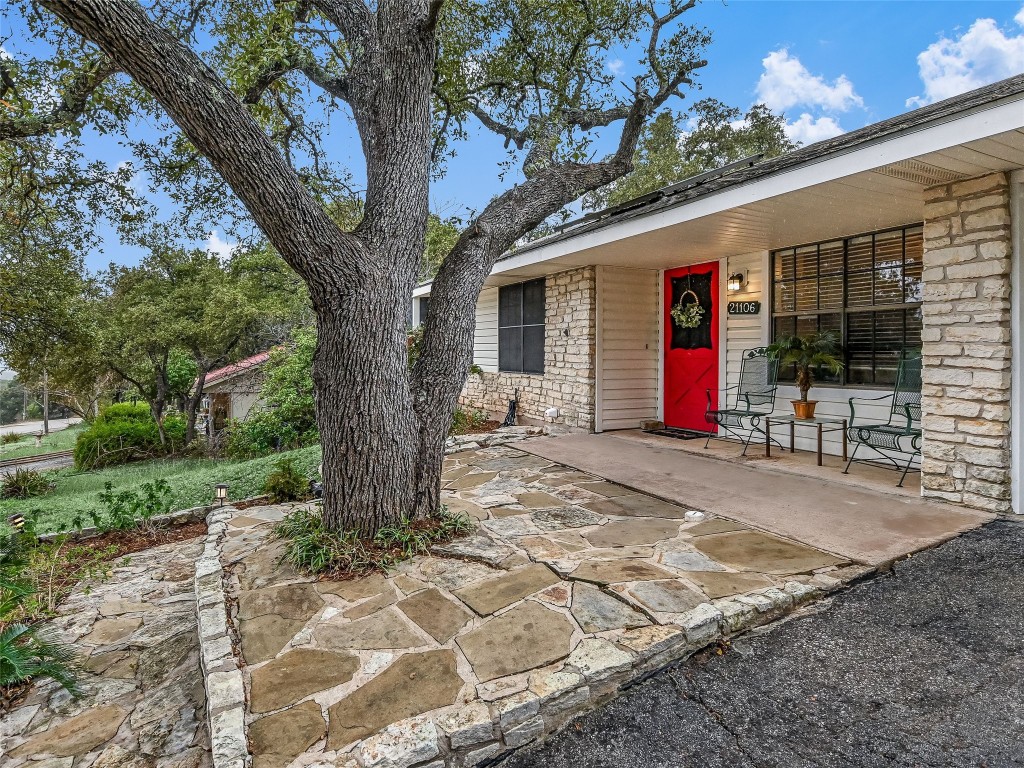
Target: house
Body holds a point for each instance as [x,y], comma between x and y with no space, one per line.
[902,235]
[232,391]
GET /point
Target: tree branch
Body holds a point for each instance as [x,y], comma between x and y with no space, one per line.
[222,129]
[72,104]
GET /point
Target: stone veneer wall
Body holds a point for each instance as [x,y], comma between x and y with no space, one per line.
[568,381]
[966,343]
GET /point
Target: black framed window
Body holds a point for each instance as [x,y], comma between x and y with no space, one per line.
[521,327]
[424,308]
[866,288]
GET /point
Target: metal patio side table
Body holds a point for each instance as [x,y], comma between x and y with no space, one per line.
[823,423]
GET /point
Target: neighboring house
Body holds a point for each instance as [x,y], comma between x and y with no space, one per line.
[232,391]
[901,235]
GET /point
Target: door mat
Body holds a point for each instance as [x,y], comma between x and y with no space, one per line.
[679,434]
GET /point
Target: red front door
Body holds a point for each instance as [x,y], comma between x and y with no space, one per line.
[691,344]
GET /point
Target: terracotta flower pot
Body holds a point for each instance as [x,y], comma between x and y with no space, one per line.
[804,409]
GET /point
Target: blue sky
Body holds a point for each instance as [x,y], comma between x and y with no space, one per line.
[829,66]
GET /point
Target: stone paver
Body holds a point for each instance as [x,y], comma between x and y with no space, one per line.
[494,594]
[755,551]
[568,587]
[142,703]
[296,675]
[597,611]
[435,614]
[416,683]
[527,637]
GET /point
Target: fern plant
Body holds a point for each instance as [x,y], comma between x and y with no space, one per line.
[27,651]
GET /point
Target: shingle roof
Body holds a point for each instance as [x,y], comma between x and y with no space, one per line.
[235,368]
[751,170]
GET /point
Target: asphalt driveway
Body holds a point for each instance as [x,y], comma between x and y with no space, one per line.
[920,667]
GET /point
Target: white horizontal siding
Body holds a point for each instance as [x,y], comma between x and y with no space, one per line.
[485,338]
[628,323]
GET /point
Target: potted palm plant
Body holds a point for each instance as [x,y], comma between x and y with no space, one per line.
[809,353]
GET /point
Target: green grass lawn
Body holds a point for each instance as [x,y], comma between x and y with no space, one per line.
[192,484]
[64,440]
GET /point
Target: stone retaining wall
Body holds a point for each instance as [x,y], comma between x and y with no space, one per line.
[966,343]
[225,693]
[568,381]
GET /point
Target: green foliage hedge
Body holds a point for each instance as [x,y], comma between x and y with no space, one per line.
[126,432]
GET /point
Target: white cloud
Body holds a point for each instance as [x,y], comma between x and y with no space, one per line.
[808,129]
[218,247]
[786,82]
[615,66]
[981,55]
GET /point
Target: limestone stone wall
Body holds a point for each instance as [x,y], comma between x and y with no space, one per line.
[966,343]
[569,343]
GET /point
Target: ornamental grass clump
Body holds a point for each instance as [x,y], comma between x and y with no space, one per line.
[312,547]
[24,484]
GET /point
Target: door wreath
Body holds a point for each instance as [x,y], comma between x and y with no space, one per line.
[687,315]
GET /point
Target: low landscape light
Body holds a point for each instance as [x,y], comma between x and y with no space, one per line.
[17,520]
[222,493]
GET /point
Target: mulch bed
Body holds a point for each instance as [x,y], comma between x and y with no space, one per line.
[480,429]
[127,542]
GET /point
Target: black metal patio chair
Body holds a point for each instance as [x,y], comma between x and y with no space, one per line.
[900,436]
[754,399]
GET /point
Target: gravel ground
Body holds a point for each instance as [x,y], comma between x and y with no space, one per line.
[921,667]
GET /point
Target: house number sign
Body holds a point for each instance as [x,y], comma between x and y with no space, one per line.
[744,307]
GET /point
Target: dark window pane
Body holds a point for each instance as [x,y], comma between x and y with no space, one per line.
[831,322]
[889,249]
[858,253]
[785,297]
[914,245]
[807,261]
[533,302]
[806,294]
[784,262]
[830,258]
[424,307]
[830,292]
[533,349]
[858,289]
[510,305]
[510,349]
[859,351]
[784,326]
[913,288]
[889,285]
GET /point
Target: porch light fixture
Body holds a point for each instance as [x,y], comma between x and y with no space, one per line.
[736,281]
[222,493]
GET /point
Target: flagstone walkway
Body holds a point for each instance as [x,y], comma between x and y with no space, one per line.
[142,688]
[569,587]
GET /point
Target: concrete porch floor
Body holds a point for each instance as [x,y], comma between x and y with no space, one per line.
[862,516]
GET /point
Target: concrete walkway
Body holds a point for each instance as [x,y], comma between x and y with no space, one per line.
[861,524]
[30,427]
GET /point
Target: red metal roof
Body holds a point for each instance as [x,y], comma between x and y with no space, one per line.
[235,368]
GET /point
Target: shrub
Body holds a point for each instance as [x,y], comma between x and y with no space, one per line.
[286,483]
[7,438]
[124,433]
[314,548]
[287,419]
[466,420]
[27,652]
[125,412]
[128,509]
[24,484]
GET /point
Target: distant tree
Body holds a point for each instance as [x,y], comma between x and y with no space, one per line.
[676,146]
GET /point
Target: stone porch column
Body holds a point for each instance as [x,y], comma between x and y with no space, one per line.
[966,343]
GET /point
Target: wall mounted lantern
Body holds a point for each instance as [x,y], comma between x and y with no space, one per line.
[736,281]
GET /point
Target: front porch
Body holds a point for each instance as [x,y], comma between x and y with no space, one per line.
[862,516]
